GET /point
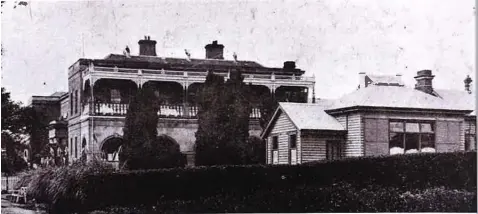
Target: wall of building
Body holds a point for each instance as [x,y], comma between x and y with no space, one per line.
[283,127]
[449,130]
[314,144]
[354,145]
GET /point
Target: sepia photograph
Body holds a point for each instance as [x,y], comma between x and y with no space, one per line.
[250,106]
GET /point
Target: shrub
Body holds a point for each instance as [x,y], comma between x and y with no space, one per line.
[280,188]
[59,187]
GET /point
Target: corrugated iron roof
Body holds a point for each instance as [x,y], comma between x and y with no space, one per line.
[310,116]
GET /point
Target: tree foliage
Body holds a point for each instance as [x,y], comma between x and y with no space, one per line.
[223,119]
[142,148]
[15,126]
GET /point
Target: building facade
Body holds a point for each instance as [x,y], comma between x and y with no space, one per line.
[382,117]
[100,90]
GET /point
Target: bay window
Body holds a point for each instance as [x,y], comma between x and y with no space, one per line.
[408,137]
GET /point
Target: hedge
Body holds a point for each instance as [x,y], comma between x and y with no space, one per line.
[398,173]
[341,197]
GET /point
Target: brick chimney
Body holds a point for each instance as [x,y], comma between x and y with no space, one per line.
[147,47]
[467,84]
[424,81]
[214,51]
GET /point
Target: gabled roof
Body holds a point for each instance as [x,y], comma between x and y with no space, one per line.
[305,116]
[400,97]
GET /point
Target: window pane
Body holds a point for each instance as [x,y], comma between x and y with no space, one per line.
[412,127]
[411,143]
[396,126]
[426,128]
[396,143]
[428,142]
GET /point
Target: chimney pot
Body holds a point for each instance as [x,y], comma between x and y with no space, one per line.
[147,47]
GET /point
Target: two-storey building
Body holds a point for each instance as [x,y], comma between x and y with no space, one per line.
[100,90]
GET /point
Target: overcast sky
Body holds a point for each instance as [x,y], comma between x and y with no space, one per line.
[333,39]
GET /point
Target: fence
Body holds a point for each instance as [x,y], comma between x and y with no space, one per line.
[9,182]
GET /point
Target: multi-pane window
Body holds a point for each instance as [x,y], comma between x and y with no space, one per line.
[411,137]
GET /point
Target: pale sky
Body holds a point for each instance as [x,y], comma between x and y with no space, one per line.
[333,39]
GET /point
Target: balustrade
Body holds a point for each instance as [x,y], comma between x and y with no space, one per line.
[200,74]
[174,111]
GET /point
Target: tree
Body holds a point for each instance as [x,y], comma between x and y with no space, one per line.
[140,130]
[14,129]
[142,148]
[256,151]
[268,105]
[223,119]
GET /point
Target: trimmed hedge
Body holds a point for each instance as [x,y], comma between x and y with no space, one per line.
[341,197]
[276,186]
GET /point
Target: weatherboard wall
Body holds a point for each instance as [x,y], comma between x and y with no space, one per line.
[354,145]
[282,128]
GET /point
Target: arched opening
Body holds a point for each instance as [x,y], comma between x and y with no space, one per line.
[170,96]
[193,93]
[114,90]
[168,93]
[291,94]
[110,149]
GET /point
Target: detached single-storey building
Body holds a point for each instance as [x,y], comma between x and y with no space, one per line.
[382,117]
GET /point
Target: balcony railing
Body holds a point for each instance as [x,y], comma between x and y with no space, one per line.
[199,74]
[165,111]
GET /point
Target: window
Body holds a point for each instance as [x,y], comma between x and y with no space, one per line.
[76,101]
[71,147]
[275,142]
[115,96]
[470,139]
[76,147]
[72,102]
[411,137]
[292,149]
[293,141]
[333,149]
[274,151]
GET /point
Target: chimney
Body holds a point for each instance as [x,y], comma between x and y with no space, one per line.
[467,84]
[147,47]
[362,81]
[424,81]
[214,51]
[289,65]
